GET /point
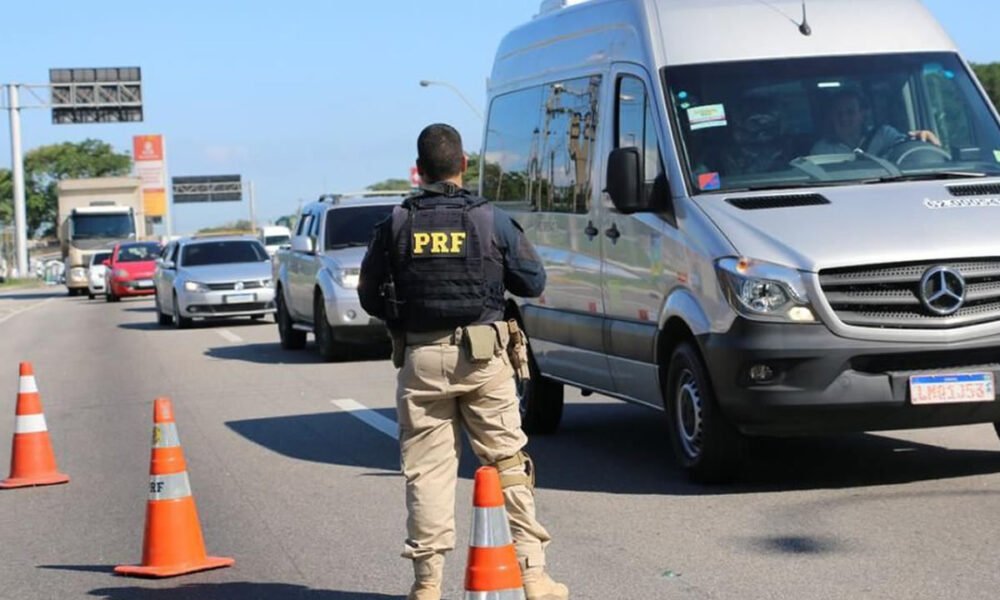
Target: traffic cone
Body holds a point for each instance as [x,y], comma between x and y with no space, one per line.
[172,543]
[492,570]
[32,461]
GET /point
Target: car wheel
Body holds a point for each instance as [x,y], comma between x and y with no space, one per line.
[541,401]
[291,339]
[328,347]
[705,443]
[90,296]
[256,317]
[110,296]
[180,321]
[161,318]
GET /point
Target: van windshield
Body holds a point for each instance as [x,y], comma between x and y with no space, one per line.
[832,120]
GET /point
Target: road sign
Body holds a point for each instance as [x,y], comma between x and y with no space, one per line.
[106,95]
[148,158]
[208,188]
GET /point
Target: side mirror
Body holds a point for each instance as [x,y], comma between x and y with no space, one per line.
[167,265]
[106,263]
[304,243]
[624,180]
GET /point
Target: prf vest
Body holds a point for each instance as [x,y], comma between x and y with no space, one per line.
[443,278]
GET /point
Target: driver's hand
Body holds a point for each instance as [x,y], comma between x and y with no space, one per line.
[926,136]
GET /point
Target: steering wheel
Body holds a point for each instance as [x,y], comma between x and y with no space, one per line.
[915,152]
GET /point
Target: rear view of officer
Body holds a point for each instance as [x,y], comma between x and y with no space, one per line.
[436,272]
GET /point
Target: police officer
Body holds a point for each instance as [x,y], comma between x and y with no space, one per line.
[436,272]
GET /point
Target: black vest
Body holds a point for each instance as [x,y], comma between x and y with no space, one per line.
[447,270]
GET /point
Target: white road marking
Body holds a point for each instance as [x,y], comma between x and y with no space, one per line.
[368,416]
[229,336]
[25,309]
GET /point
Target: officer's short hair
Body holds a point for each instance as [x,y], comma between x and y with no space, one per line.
[439,152]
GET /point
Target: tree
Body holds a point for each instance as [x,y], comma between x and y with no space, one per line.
[239,226]
[390,185]
[989,76]
[45,166]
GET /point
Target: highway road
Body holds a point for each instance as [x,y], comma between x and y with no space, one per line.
[295,473]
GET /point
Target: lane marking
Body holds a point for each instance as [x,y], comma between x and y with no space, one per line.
[229,336]
[368,416]
[25,309]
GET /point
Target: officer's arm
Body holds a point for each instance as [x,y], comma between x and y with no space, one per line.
[374,272]
[523,274]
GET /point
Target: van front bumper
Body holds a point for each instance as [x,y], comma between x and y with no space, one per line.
[823,383]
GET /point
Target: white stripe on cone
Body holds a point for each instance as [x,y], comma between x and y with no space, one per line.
[30,424]
[27,385]
[490,528]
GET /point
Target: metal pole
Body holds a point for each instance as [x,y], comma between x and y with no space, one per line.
[17,170]
[168,195]
[253,217]
[428,82]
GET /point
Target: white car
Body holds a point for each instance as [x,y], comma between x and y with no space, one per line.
[274,238]
[97,274]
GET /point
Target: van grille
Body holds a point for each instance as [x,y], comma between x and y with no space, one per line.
[888,296]
[981,189]
[783,201]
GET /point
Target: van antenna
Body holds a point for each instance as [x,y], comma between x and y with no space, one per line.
[804,27]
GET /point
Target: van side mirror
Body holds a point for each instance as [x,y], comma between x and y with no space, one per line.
[303,243]
[624,180]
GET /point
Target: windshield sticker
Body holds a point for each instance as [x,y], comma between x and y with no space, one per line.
[709,181]
[703,117]
[996,155]
[963,203]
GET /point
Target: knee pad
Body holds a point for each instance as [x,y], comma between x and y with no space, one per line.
[521,459]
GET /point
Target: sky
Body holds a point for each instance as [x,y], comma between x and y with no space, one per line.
[300,97]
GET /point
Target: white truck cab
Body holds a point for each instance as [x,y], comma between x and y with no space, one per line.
[758,220]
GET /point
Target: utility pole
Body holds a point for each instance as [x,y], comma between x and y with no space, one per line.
[17,171]
[253,216]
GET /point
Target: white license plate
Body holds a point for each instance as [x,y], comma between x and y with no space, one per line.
[239,298]
[145,283]
[950,389]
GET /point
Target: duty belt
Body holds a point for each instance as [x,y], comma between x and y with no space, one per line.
[435,338]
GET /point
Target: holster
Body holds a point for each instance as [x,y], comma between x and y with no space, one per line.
[517,351]
[398,348]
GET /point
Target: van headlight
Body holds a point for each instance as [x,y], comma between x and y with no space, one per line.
[194,286]
[346,278]
[765,291]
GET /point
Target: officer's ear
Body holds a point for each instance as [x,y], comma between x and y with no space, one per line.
[420,168]
[465,164]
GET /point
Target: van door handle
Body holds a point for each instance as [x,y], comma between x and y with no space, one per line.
[591,231]
[613,233]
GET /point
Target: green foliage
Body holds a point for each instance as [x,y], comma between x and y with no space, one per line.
[989,76]
[45,166]
[390,185]
[240,226]
[289,221]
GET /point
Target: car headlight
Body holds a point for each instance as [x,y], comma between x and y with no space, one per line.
[121,273]
[765,291]
[266,283]
[346,278]
[194,286]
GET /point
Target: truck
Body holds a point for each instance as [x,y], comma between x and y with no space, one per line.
[316,279]
[95,214]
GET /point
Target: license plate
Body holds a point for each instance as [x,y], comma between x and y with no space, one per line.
[239,298]
[145,283]
[950,389]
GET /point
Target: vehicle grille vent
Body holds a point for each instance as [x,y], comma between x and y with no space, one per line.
[786,201]
[982,189]
[888,296]
[247,285]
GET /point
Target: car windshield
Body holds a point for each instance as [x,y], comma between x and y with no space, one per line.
[222,253]
[353,226]
[97,226]
[138,252]
[832,120]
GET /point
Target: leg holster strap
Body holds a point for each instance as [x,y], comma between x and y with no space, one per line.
[511,479]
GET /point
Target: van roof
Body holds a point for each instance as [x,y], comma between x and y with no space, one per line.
[677,32]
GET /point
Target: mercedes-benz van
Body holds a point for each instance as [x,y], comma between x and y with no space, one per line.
[760,217]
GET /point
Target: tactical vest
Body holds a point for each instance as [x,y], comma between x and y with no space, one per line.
[442,275]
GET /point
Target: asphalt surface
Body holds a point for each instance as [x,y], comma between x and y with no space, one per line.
[305,494]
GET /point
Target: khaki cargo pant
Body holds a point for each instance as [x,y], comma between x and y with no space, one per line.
[439,391]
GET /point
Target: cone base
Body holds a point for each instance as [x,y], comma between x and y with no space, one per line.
[211,562]
[19,482]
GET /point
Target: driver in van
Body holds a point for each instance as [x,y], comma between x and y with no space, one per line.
[848,131]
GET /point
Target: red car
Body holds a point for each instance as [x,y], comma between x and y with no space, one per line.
[130,270]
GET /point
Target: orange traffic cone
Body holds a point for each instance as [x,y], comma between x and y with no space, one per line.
[492,571]
[172,543]
[32,461]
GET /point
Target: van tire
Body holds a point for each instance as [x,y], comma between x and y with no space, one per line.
[291,339]
[705,443]
[541,401]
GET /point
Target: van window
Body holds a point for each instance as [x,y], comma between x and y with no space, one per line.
[819,121]
[539,148]
[635,128]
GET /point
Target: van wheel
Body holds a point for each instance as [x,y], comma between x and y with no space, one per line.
[541,401]
[706,445]
[291,339]
[328,347]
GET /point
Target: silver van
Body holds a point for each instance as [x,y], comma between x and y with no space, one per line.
[762,218]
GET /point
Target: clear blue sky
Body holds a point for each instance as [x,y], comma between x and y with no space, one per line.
[302,97]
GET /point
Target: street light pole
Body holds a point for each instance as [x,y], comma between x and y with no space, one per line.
[17,172]
[428,82]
